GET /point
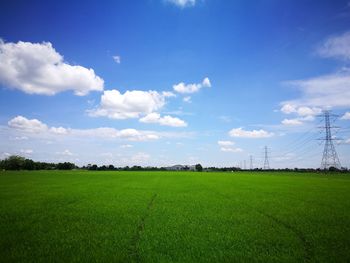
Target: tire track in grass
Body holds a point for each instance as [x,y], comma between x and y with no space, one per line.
[306,244]
[308,252]
[134,252]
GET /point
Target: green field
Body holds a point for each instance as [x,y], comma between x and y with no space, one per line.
[55,216]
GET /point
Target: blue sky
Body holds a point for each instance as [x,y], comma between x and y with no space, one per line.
[161,82]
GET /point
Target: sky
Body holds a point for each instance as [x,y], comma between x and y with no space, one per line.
[165,82]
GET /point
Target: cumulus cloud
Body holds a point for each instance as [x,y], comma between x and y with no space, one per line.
[191,88]
[325,91]
[37,68]
[292,122]
[336,47]
[239,132]
[346,116]
[131,104]
[182,3]
[117,59]
[22,123]
[165,121]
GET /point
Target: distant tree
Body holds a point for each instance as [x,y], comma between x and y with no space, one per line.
[93,167]
[65,166]
[199,167]
[28,164]
[111,167]
[333,169]
[13,162]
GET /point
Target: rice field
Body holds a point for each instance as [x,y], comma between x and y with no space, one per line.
[85,216]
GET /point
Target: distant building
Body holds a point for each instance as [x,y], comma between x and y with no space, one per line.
[180,167]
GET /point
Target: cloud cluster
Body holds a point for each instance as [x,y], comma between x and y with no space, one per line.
[191,88]
[303,114]
[254,134]
[228,146]
[34,126]
[37,68]
[136,104]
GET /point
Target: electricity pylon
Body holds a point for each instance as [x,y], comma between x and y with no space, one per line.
[266,161]
[330,156]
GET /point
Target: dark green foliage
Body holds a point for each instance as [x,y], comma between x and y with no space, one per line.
[65,166]
[199,167]
[15,162]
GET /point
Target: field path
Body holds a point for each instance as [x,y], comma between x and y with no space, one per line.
[133,250]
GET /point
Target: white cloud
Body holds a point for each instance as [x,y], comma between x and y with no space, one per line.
[336,47]
[168,94]
[347,141]
[65,153]
[182,3]
[26,151]
[226,143]
[117,59]
[22,123]
[191,88]
[206,83]
[346,116]
[35,126]
[131,104]
[325,91]
[230,149]
[165,121]
[227,146]
[187,99]
[36,68]
[239,132]
[292,122]
[59,130]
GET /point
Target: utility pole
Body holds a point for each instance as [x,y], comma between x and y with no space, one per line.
[330,156]
[245,166]
[266,161]
[251,162]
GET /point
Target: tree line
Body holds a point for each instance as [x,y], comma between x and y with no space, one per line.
[16,162]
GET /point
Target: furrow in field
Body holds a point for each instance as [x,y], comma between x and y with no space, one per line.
[133,250]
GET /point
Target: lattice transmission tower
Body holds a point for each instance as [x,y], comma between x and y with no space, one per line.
[330,156]
[266,159]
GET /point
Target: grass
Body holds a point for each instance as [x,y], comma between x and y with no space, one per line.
[82,216]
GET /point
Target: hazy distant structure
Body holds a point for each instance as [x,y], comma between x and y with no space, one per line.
[251,162]
[330,156]
[266,159]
